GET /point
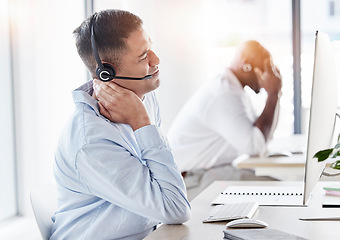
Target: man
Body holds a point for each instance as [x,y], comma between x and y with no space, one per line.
[218,123]
[116,176]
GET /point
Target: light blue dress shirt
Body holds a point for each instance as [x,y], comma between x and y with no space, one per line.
[113,182]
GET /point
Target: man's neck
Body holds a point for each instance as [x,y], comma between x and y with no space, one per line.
[238,74]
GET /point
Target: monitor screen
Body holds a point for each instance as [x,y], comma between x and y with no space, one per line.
[322,110]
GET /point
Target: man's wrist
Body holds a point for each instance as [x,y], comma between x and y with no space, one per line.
[275,94]
[140,123]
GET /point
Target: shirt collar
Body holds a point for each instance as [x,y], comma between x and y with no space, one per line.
[83,94]
[233,80]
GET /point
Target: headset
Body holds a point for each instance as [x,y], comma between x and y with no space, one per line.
[105,71]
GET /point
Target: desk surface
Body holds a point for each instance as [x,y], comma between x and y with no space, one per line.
[290,168]
[282,168]
[286,168]
[281,218]
[294,143]
[296,160]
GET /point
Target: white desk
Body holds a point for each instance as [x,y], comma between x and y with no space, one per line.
[282,218]
[282,168]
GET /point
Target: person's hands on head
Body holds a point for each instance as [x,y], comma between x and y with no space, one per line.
[120,105]
[270,79]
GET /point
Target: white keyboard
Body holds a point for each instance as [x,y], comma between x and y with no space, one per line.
[231,211]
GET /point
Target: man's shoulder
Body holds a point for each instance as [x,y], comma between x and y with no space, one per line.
[89,126]
[226,81]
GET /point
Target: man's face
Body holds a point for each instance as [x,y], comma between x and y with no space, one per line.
[255,83]
[138,61]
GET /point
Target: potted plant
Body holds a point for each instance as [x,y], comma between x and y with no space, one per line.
[330,153]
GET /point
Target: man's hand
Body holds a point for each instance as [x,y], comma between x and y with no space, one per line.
[120,105]
[270,79]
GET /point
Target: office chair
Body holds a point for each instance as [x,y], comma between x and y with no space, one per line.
[44,204]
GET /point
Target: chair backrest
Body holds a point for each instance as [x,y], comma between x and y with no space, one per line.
[44,204]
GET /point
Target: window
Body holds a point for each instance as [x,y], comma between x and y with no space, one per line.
[38,39]
[8,204]
[334,8]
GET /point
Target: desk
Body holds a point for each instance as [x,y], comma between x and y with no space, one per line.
[282,218]
[282,168]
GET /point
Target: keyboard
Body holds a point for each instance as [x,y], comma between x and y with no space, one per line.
[231,211]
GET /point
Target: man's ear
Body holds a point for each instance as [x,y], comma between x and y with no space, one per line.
[247,67]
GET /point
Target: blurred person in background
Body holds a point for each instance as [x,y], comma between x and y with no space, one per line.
[219,123]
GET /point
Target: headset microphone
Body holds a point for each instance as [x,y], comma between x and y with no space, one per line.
[105,71]
[133,78]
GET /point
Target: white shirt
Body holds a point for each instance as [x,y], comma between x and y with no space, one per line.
[215,126]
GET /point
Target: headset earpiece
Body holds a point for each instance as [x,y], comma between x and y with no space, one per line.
[105,73]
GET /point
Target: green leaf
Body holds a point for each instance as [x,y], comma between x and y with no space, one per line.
[336,154]
[335,165]
[323,154]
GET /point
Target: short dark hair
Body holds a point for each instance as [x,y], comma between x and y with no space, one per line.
[111,29]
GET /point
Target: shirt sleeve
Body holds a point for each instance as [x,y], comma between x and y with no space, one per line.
[229,116]
[154,190]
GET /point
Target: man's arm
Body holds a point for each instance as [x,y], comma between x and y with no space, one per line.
[149,184]
[271,81]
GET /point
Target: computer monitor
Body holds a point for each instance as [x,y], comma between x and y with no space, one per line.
[322,110]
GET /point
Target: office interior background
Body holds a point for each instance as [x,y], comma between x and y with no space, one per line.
[194,39]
